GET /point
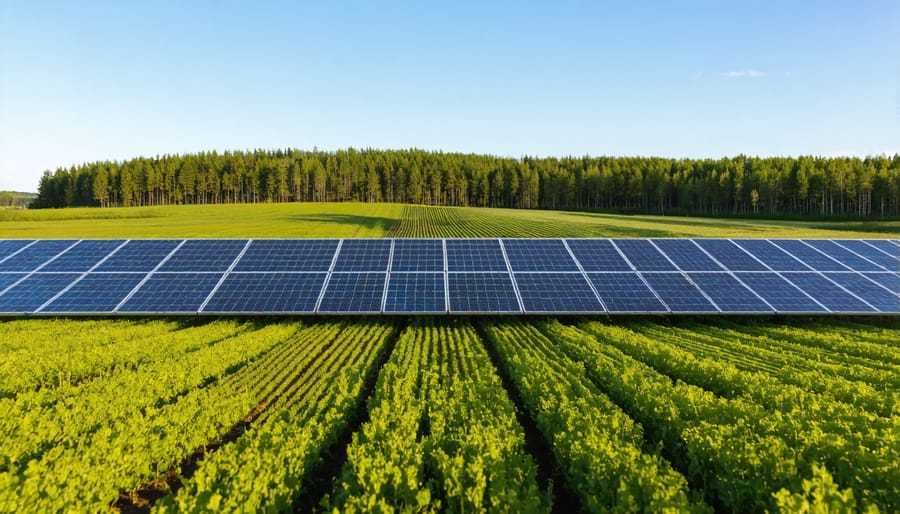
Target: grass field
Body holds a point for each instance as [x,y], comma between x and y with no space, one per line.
[443,414]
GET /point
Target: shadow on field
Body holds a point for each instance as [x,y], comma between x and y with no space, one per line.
[367,222]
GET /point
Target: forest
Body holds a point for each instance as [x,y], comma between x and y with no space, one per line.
[741,185]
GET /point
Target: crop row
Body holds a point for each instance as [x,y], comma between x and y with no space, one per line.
[425,221]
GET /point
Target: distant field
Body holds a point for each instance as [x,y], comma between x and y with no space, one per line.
[396,220]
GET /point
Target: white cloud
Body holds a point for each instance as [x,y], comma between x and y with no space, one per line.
[734,74]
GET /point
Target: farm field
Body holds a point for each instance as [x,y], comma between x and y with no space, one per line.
[537,414]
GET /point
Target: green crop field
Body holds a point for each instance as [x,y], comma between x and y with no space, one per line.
[449,414]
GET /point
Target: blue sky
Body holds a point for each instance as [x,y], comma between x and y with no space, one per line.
[93,80]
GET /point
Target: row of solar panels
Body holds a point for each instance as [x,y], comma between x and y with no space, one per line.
[449,275]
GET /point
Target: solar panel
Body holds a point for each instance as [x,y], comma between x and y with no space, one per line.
[288,255]
[875,295]
[538,255]
[843,255]
[82,256]
[32,257]
[625,292]
[678,293]
[885,260]
[8,279]
[34,291]
[812,258]
[729,294]
[475,255]
[482,292]
[888,280]
[885,245]
[171,293]
[773,256]
[686,255]
[556,292]
[96,292]
[267,292]
[415,292]
[139,256]
[780,294]
[363,255]
[597,255]
[204,255]
[643,255]
[827,293]
[418,255]
[10,246]
[353,292]
[733,257]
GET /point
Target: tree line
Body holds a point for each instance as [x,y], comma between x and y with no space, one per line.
[741,185]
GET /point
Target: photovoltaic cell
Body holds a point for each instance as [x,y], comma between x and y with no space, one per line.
[783,296]
[729,294]
[482,292]
[172,292]
[730,255]
[873,254]
[686,255]
[643,255]
[363,255]
[888,280]
[679,294]
[538,255]
[96,292]
[8,279]
[418,255]
[831,296]
[815,260]
[83,256]
[204,255]
[625,292]
[288,255]
[415,292]
[353,292]
[885,245]
[597,255]
[774,257]
[844,256]
[267,292]
[35,255]
[475,255]
[865,289]
[10,246]
[34,291]
[556,292]
[141,255]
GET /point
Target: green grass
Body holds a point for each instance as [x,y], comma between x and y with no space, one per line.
[380,220]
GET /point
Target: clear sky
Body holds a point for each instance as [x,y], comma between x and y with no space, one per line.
[92,80]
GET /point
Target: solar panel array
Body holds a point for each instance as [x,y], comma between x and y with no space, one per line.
[455,276]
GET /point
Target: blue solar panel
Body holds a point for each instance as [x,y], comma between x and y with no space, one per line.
[827,293]
[875,295]
[729,294]
[875,255]
[475,255]
[10,246]
[597,255]
[415,292]
[556,292]
[625,292]
[678,293]
[730,255]
[139,255]
[779,293]
[288,255]
[888,280]
[82,256]
[363,255]
[172,293]
[34,291]
[418,255]
[482,292]
[885,245]
[538,255]
[353,292]
[812,258]
[774,257]
[96,292]
[31,258]
[267,292]
[844,256]
[8,279]
[643,255]
[686,255]
[205,255]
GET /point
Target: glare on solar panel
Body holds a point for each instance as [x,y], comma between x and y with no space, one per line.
[625,292]
[477,292]
[597,255]
[678,293]
[278,292]
[538,255]
[643,255]
[415,292]
[556,292]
